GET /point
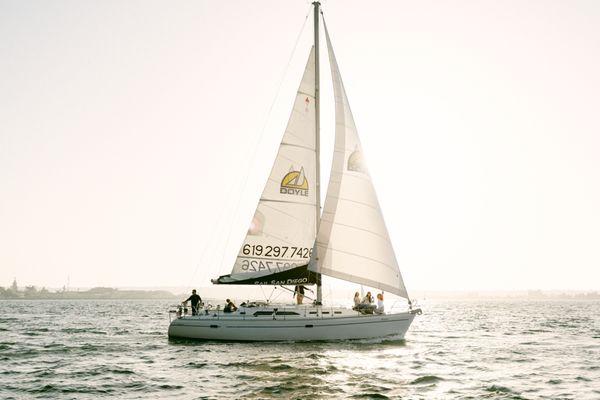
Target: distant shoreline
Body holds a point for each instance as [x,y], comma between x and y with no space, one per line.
[98,293]
[87,298]
[15,292]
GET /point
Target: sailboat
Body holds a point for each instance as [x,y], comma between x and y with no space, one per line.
[290,242]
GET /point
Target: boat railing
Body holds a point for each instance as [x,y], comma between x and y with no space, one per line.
[276,312]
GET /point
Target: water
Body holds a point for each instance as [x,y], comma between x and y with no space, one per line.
[455,350]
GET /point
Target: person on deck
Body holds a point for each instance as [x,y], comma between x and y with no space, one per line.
[380,306]
[299,293]
[368,300]
[366,306]
[229,307]
[195,300]
[356,301]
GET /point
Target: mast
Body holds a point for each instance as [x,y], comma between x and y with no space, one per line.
[317,6]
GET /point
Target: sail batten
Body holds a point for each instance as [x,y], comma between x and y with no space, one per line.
[354,254]
[284,201]
[296,145]
[367,282]
[353,243]
[357,228]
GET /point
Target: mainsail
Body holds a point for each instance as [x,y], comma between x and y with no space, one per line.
[353,242]
[280,239]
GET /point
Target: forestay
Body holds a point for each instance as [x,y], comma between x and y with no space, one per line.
[353,242]
[283,230]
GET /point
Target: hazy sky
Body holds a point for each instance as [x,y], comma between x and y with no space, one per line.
[131,151]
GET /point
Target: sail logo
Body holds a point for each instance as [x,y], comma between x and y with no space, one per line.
[356,162]
[294,183]
[257,224]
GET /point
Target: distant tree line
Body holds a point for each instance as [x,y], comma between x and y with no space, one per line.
[31,292]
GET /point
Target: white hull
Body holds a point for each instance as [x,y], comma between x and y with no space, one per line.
[346,324]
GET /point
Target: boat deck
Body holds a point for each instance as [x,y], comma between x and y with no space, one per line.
[273,312]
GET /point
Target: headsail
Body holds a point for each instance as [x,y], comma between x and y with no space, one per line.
[353,242]
[282,233]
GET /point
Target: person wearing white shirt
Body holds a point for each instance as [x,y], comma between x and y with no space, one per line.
[380,306]
[356,300]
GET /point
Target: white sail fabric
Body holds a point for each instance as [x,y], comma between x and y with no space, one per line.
[283,230]
[353,242]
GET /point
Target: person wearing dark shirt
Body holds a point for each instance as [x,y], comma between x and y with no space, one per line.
[299,293]
[229,307]
[196,300]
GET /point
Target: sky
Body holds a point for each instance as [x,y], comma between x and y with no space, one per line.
[136,136]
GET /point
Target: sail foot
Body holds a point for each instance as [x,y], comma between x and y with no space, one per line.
[294,276]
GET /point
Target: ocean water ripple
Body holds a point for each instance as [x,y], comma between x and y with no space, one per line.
[455,350]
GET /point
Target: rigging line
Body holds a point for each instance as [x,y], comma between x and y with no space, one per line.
[294,292]
[263,293]
[260,136]
[278,293]
[189,279]
[271,295]
[207,244]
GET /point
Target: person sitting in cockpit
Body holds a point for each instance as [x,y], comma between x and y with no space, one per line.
[367,306]
[356,301]
[380,306]
[229,307]
[368,300]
